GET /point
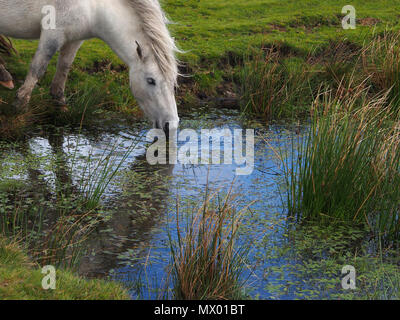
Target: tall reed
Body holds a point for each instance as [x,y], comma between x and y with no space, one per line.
[269,88]
[347,166]
[381,63]
[205,262]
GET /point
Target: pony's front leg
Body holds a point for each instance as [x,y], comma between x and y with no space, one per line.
[50,42]
[67,56]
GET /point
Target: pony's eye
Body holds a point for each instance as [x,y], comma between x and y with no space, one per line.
[151,81]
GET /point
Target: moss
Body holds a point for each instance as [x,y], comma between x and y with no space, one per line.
[20,279]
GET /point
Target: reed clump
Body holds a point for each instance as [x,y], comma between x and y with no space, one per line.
[272,89]
[347,165]
[205,262]
[50,233]
[269,88]
[381,63]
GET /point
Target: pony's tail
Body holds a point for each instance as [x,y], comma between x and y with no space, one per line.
[6,46]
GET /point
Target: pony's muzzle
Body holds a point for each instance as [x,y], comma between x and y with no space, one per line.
[167,126]
[171,126]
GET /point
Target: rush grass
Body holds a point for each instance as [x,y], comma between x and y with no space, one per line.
[206,264]
[348,164]
[271,88]
[381,62]
[274,86]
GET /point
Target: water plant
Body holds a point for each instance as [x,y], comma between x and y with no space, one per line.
[381,63]
[270,88]
[319,252]
[52,221]
[206,264]
[348,163]
[99,173]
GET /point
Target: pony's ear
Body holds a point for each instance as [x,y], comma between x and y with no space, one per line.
[139,50]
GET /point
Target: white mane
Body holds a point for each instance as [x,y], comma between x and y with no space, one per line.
[154,27]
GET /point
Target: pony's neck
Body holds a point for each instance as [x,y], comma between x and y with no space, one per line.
[117,25]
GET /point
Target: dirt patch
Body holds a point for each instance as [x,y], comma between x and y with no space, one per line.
[105,65]
[278,27]
[369,21]
[339,51]
[284,50]
[232,59]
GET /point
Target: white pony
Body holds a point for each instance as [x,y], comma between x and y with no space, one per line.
[134,29]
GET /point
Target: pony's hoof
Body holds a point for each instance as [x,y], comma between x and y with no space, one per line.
[64,108]
[61,104]
[7,84]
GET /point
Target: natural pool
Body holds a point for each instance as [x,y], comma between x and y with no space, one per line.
[131,242]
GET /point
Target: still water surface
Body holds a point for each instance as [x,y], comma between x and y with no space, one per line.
[132,245]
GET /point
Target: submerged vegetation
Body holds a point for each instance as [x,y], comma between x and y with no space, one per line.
[321,251]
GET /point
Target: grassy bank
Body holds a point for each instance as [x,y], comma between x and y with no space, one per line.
[274,86]
[21,279]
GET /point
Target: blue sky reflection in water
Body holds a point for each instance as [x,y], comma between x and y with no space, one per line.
[151,211]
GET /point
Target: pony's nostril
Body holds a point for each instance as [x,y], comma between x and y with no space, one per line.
[166,130]
[166,127]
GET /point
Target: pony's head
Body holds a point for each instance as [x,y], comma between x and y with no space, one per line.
[154,75]
[153,83]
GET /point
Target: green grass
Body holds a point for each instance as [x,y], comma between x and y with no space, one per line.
[212,29]
[22,280]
